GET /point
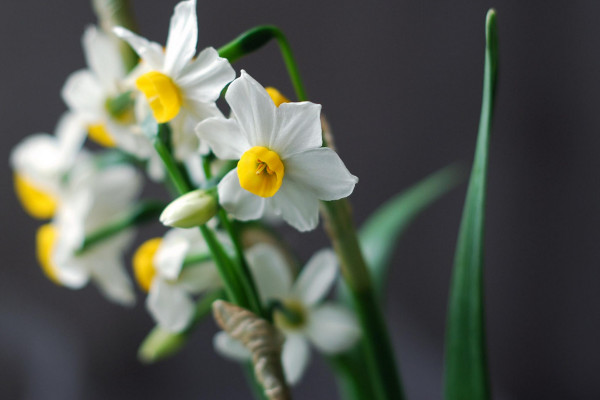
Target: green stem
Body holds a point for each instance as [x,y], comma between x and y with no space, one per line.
[233,280]
[352,382]
[248,278]
[145,211]
[379,352]
[257,37]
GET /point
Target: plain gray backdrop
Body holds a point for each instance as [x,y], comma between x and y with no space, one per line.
[400,82]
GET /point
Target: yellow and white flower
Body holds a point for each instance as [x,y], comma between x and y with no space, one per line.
[93,199]
[172,270]
[102,96]
[282,166]
[179,88]
[300,312]
[40,163]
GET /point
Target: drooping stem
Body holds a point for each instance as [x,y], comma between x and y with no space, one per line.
[257,37]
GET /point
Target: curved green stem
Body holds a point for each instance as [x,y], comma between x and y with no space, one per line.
[257,37]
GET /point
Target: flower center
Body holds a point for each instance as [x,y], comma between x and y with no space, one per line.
[36,202]
[120,108]
[260,171]
[290,315]
[143,263]
[162,94]
[45,240]
[99,134]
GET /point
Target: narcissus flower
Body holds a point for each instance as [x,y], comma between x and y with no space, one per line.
[101,96]
[177,86]
[172,270]
[299,310]
[40,163]
[95,198]
[282,166]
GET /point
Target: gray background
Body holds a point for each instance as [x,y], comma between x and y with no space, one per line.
[400,82]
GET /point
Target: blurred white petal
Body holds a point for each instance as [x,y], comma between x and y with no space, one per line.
[317,277]
[333,328]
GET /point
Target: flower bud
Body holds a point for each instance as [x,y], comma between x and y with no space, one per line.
[190,210]
[160,344]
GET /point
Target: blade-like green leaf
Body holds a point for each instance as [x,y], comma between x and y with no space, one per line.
[466,374]
[378,238]
[380,233]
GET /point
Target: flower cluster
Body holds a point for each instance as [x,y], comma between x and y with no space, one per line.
[161,120]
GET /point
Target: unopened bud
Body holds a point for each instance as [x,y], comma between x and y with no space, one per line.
[190,210]
[160,344]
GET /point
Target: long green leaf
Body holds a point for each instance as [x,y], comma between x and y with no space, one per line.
[466,375]
[380,233]
[378,237]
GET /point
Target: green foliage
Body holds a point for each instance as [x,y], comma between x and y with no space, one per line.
[380,233]
[466,375]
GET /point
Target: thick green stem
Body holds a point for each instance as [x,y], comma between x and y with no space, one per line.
[257,37]
[145,211]
[378,349]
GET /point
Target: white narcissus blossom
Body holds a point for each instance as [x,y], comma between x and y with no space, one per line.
[93,199]
[102,96]
[179,88]
[302,315]
[282,166]
[172,270]
[40,163]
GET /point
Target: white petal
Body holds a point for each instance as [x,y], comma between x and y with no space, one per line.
[298,128]
[239,202]
[72,273]
[171,253]
[230,348]
[83,93]
[333,328]
[294,357]
[323,172]
[113,190]
[253,108]
[38,157]
[224,137]
[198,278]
[205,77]
[316,278]
[103,57]
[170,305]
[182,39]
[109,274]
[149,52]
[71,135]
[298,206]
[271,271]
